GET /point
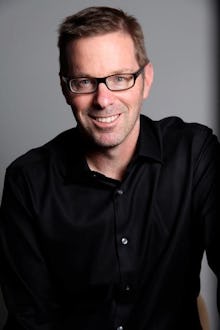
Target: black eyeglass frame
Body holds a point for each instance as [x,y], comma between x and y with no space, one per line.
[135,75]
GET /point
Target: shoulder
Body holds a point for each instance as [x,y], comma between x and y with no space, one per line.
[176,131]
[187,138]
[40,157]
[171,126]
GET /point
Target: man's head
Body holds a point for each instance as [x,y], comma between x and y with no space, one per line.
[94,21]
[105,74]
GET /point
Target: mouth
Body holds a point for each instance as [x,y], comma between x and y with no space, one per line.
[107,120]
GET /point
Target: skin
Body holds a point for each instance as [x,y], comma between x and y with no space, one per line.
[109,120]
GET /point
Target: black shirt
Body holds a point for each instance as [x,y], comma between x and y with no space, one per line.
[83,251]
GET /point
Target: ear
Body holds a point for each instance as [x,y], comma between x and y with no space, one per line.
[148,79]
[65,91]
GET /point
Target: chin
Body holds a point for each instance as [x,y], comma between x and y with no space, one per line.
[105,143]
[102,141]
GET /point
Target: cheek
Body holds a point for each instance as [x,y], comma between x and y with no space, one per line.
[79,102]
[134,99]
[80,105]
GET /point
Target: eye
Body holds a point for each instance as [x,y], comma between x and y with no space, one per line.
[121,79]
[84,82]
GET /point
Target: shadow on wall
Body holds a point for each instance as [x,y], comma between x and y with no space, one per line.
[217,63]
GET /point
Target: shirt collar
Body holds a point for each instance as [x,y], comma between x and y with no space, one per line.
[74,165]
[149,141]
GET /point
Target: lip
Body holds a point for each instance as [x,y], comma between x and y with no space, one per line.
[105,121]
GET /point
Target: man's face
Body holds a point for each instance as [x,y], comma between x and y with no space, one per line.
[107,118]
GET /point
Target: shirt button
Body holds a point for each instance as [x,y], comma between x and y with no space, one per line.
[120,327]
[127,288]
[120,192]
[124,240]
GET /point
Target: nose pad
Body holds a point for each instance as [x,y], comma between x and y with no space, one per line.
[103,97]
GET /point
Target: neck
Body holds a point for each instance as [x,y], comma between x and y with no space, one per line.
[112,162]
[109,163]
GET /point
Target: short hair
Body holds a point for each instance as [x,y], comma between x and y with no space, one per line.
[101,20]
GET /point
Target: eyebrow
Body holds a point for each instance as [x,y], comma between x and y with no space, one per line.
[121,71]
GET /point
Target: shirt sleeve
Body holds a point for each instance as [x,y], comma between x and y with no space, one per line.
[207,201]
[25,279]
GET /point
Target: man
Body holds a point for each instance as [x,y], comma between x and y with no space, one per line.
[105,226]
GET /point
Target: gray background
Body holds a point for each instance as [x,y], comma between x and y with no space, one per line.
[181,42]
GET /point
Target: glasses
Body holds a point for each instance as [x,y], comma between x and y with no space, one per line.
[115,82]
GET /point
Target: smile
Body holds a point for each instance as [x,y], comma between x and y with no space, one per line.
[106,119]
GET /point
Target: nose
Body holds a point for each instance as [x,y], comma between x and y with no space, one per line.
[103,97]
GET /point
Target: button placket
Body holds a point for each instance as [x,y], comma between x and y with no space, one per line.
[121,217]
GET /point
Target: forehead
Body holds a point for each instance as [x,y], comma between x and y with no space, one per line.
[101,55]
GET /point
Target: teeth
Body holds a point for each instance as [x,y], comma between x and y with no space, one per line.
[107,119]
